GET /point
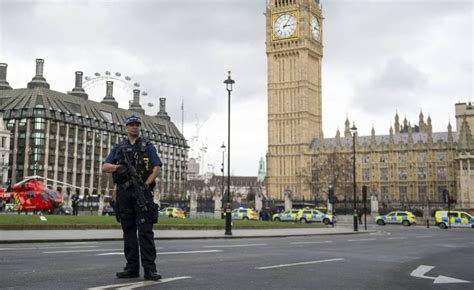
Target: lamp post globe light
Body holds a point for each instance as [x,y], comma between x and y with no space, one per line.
[354,132]
[228,222]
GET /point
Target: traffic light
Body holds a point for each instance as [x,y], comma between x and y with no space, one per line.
[331,195]
[364,193]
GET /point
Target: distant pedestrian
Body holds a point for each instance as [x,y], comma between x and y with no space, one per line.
[75,203]
[359,213]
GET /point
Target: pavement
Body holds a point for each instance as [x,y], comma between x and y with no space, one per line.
[38,236]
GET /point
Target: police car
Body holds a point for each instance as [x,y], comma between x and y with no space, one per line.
[172,212]
[313,215]
[287,216]
[243,213]
[458,219]
[405,218]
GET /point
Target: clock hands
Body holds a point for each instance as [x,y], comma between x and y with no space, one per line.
[286,24]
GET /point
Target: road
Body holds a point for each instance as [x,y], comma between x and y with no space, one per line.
[394,257]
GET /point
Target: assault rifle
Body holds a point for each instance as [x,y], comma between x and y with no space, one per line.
[138,185]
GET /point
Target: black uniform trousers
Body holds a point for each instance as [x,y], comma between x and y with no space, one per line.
[75,209]
[135,246]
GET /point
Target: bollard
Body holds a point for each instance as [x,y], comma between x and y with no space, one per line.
[427,223]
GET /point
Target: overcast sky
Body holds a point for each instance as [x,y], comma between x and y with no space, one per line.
[379,57]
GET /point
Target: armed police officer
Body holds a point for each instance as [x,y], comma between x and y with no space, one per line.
[134,165]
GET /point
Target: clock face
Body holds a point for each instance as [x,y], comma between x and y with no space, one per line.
[285,25]
[315,28]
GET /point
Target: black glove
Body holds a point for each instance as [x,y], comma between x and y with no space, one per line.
[147,188]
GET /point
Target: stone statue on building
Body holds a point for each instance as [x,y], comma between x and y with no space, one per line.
[193,204]
[288,199]
[217,198]
[374,202]
[258,199]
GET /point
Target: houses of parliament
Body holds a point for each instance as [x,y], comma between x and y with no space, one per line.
[408,165]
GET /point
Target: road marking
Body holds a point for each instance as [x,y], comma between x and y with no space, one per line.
[316,242]
[79,251]
[133,285]
[397,238]
[45,248]
[79,243]
[451,246]
[166,253]
[298,264]
[189,252]
[423,269]
[361,240]
[232,246]
[421,237]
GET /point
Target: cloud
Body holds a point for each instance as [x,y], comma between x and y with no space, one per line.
[396,85]
[379,56]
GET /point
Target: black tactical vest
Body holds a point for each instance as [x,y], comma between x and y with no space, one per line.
[138,157]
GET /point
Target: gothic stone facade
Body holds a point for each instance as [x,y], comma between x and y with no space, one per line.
[411,166]
[66,137]
[294,53]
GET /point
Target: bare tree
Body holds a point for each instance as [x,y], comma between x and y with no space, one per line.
[330,169]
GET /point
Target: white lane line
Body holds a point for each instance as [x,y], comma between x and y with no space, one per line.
[298,264]
[361,240]
[45,248]
[397,238]
[79,251]
[85,251]
[79,243]
[450,246]
[133,285]
[232,246]
[421,237]
[316,242]
[166,253]
[189,252]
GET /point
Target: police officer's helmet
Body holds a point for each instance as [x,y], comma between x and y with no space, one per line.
[133,119]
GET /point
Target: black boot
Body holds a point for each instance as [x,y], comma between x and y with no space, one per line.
[154,276]
[127,274]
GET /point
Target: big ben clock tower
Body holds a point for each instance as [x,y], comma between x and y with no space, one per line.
[294,53]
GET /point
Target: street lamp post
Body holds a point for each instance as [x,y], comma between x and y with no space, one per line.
[222,170]
[354,132]
[228,226]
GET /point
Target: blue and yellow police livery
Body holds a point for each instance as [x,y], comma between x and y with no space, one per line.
[313,215]
[172,212]
[287,216]
[458,219]
[405,218]
[244,214]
